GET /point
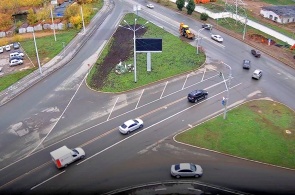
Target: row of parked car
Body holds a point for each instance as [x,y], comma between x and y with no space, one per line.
[15,45]
[15,57]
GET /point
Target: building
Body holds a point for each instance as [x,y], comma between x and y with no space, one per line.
[281,14]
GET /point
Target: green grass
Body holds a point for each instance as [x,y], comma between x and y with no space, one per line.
[255,130]
[8,80]
[177,57]
[279,2]
[47,46]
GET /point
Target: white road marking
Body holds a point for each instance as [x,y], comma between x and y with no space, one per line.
[139,99]
[59,117]
[163,90]
[146,128]
[112,109]
[47,180]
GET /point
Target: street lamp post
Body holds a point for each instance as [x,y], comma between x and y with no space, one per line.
[134,29]
[63,45]
[227,88]
[199,31]
[40,69]
[244,31]
[53,26]
[82,20]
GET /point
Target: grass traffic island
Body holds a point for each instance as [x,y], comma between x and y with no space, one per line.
[259,130]
[177,57]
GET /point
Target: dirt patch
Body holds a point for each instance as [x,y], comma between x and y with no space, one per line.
[121,50]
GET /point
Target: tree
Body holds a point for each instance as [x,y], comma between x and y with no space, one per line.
[180,4]
[6,21]
[32,17]
[190,7]
[204,16]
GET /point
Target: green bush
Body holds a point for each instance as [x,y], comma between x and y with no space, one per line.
[180,4]
[190,7]
[204,16]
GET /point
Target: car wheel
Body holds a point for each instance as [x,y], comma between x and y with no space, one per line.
[140,126]
[65,165]
[177,176]
[196,100]
[82,157]
[197,175]
[205,96]
[128,132]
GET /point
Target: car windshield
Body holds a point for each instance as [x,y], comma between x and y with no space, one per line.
[136,121]
[124,126]
[193,167]
[75,151]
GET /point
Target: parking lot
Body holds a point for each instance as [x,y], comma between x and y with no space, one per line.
[4,61]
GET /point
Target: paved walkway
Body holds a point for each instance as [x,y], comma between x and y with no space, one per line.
[249,22]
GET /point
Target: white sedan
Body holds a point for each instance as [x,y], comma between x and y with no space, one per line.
[15,62]
[131,125]
[217,38]
[151,6]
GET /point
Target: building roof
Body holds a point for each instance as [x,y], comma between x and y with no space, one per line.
[282,10]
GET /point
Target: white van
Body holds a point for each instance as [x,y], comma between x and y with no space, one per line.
[1,49]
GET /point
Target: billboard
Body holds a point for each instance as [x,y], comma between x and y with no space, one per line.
[148,45]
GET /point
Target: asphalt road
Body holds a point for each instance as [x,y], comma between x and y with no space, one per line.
[73,115]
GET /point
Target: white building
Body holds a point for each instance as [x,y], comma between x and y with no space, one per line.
[281,14]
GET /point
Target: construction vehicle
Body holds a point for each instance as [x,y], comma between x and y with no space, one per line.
[185,31]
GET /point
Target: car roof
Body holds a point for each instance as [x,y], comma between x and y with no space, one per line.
[197,91]
[257,71]
[185,165]
[129,122]
[247,61]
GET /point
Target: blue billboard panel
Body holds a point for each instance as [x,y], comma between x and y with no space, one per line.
[148,45]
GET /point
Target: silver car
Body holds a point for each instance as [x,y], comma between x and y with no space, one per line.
[131,125]
[257,74]
[186,170]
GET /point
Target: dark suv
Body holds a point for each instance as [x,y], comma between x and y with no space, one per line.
[256,53]
[197,95]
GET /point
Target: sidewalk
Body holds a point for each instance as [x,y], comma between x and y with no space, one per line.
[249,22]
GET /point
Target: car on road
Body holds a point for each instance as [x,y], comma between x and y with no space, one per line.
[1,50]
[131,125]
[15,45]
[186,170]
[207,26]
[257,74]
[217,38]
[246,64]
[15,62]
[256,53]
[151,6]
[197,95]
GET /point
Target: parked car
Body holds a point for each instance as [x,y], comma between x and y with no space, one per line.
[246,64]
[186,170]
[15,62]
[207,26]
[1,50]
[15,45]
[257,74]
[197,95]
[15,58]
[217,38]
[20,53]
[131,125]
[256,53]
[7,47]
[16,54]
[151,6]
